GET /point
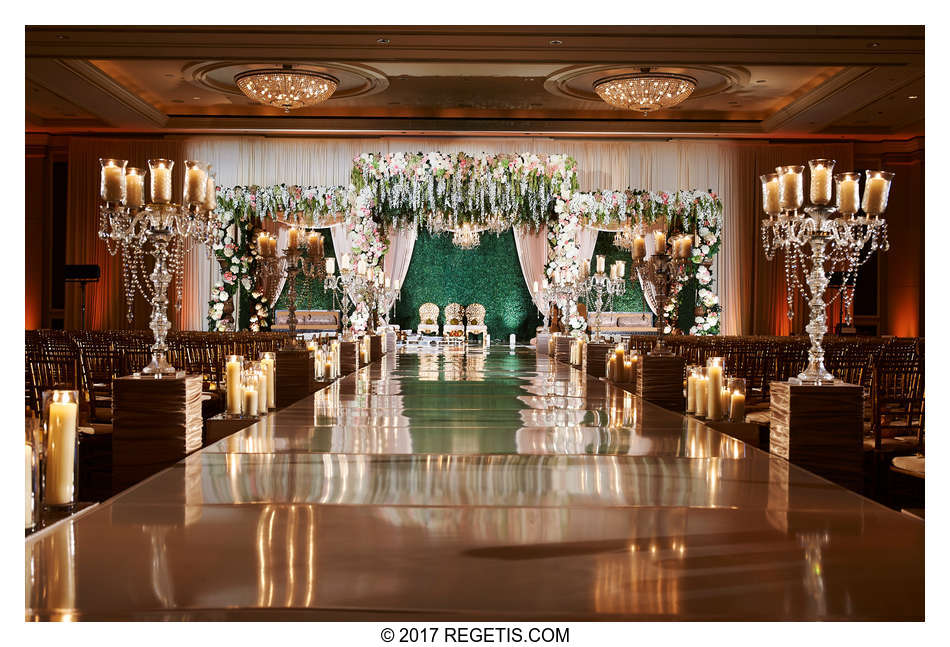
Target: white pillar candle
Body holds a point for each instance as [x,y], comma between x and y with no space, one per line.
[791,188]
[535,290]
[820,189]
[113,181]
[196,183]
[331,266]
[211,195]
[328,372]
[29,521]
[268,363]
[511,337]
[263,384]
[726,398]
[639,248]
[232,375]
[875,196]
[61,452]
[713,392]
[160,181]
[621,269]
[134,188]
[250,400]
[690,393]
[701,387]
[659,238]
[361,266]
[848,196]
[600,264]
[737,407]
[292,237]
[772,196]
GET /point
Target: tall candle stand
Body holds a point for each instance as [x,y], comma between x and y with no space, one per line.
[296,258]
[820,239]
[544,297]
[600,289]
[160,229]
[660,271]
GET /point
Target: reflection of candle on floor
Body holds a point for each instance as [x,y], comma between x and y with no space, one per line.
[61,451]
[628,371]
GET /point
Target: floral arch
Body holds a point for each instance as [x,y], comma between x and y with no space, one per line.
[442,191]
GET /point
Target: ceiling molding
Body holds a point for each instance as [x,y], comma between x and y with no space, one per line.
[94,91]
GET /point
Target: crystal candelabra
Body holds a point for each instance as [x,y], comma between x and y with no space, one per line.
[297,258]
[544,296]
[601,288]
[660,272]
[161,229]
[820,239]
[364,285]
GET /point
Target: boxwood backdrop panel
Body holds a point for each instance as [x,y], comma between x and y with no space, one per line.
[490,274]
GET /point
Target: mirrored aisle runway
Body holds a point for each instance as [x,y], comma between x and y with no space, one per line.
[490,485]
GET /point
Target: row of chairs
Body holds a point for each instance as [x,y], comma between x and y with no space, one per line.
[88,361]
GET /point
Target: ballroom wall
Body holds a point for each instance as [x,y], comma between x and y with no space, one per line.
[751,288]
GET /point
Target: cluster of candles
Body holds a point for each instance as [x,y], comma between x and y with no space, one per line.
[578,351]
[251,386]
[618,269]
[375,275]
[267,243]
[784,189]
[326,359]
[682,245]
[51,454]
[710,395]
[622,366]
[121,184]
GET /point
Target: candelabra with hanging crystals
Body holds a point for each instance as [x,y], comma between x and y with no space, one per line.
[820,239]
[661,271]
[362,285]
[297,258]
[160,229]
[543,297]
[601,288]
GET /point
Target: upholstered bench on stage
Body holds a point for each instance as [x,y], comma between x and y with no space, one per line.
[309,320]
[624,323]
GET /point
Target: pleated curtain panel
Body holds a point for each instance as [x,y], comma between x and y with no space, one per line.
[751,289]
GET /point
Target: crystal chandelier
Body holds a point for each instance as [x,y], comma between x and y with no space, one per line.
[285,87]
[624,238]
[465,237]
[821,239]
[161,229]
[645,91]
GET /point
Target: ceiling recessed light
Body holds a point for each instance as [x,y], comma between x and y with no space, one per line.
[170,76]
[874,44]
[382,41]
[196,98]
[761,81]
[61,37]
[556,42]
[912,96]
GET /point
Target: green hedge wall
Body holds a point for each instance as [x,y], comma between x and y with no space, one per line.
[632,299]
[490,274]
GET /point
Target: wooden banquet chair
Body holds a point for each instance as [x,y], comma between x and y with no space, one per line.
[475,320]
[453,321]
[428,319]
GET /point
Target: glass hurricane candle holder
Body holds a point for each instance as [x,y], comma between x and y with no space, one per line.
[112,180]
[160,180]
[791,196]
[819,189]
[848,187]
[134,187]
[771,194]
[61,447]
[233,378]
[699,394]
[691,388]
[32,473]
[196,183]
[715,377]
[737,399]
[876,189]
[249,392]
[268,362]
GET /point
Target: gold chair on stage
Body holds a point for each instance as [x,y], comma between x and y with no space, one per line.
[428,319]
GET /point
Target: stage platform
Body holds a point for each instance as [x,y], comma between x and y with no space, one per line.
[485,485]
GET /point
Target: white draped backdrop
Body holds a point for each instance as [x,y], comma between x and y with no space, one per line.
[729,168]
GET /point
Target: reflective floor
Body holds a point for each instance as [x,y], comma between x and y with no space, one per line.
[481,485]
